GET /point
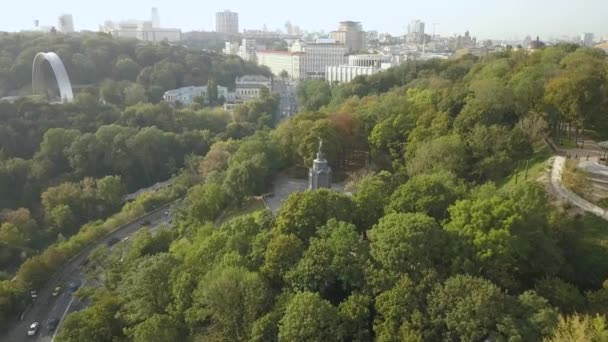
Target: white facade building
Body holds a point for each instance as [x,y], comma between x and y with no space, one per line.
[317,57]
[141,30]
[227,22]
[277,61]
[369,60]
[66,23]
[346,73]
[186,95]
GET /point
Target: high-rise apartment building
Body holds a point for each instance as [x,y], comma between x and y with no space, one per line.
[66,23]
[351,35]
[415,32]
[155,18]
[587,39]
[227,22]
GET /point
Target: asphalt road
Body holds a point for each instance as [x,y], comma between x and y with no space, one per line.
[46,306]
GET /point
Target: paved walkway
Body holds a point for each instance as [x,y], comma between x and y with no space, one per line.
[569,196]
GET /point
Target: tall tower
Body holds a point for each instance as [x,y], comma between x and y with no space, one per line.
[155,18]
[227,22]
[319,175]
[66,23]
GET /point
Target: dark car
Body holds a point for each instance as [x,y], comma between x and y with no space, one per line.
[112,241]
[73,286]
[52,324]
[145,223]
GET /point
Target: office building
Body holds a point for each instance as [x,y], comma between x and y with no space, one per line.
[227,22]
[66,23]
[415,32]
[351,35]
[279,61]
[141,30]
[317,56]
[587,39]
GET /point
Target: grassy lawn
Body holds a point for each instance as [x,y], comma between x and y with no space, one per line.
[536,166]
[251,205]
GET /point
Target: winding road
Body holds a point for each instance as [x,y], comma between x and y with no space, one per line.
[46,306]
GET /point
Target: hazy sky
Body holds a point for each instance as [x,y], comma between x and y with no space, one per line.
[501,19]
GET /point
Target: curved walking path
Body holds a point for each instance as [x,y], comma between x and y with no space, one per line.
[569,196]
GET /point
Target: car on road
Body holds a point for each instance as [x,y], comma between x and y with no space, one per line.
[33,330]
[52,323]
[56,291]
[73,286]
[112,241]
[34,294]
[145,223]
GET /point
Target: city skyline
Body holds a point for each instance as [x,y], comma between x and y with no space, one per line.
[512,20]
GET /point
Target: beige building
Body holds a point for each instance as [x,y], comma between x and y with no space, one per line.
[227,22]
[277,61]
[351,35]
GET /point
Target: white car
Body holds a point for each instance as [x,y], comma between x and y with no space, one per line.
[33,329]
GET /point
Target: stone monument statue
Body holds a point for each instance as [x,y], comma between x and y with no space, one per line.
[319,175]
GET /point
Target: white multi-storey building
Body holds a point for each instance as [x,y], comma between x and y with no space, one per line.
[346,73]
[227,22]
[279,61]
[318,56]
[66,23]
[141,30]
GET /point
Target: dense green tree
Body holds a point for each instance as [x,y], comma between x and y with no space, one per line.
[161,328]
[467,309]
[310,318]
[446,153]
[506,234]
[408,243]
[371,196]
[333,263]
[303,213]
[312,95]
[226,303]
[430,194]
[580,328]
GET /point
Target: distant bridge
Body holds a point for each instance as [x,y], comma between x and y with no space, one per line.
[40,83]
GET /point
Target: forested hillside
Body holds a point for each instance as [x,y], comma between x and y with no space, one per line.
[92,58]
[433,244]
[68,166]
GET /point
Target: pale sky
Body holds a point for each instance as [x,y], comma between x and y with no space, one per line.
[499,19]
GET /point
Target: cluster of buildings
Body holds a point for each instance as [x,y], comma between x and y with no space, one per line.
[337,55]
[146,30]
[248,88]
